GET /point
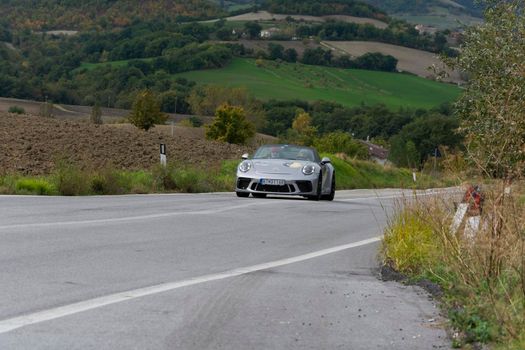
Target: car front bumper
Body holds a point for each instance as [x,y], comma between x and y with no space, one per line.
[303,187]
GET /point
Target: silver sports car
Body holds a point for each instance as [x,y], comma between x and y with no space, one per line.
[286,170]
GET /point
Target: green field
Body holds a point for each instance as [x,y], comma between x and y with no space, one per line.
[349,87]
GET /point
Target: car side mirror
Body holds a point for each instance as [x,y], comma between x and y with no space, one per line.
[245,156]
[326,160]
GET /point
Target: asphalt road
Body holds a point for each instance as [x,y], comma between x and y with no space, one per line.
[209,271]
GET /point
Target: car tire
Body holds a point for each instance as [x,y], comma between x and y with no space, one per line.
[331,196]
[242,194]
[259,195]
[319,194]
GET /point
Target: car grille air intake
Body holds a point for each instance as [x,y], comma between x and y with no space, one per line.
[243,183]
[304,186]
[272,188]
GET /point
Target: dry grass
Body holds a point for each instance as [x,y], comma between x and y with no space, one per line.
[483,275]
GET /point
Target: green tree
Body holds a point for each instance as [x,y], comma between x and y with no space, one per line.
[253,29]
[290,55]
[275,51]
[230,125]
[46,110]
[492,108]
[303,132]
[412,155]
[96,114]
[146,111]
[341,142]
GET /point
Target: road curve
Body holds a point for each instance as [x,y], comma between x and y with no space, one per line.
[207,271]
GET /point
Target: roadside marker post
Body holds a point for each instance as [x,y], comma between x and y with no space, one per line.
[163,159]
[468,213]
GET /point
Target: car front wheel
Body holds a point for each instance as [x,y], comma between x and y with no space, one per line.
[331,196]
[319,193]
[242,194]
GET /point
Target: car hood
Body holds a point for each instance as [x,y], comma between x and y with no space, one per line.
[279,166]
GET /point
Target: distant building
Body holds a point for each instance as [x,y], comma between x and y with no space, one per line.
[268,33]
[377,153]
[423,29]
[455,38]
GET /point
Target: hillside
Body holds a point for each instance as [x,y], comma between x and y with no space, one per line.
[438,13]
[320,8]
[267,16]
[72,14]
[346,86]
[32,145]
[409,60]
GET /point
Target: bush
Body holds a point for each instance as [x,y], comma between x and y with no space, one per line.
[16,110]
[96,115]
[146,112]
[164,178]
[34,186]
[196,122]
[70,180]
[110,181]
[191,180]
[230,125]
[340,142]
[191,122]
[481,274]
[410,242]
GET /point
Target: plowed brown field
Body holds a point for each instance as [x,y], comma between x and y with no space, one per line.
[33,145]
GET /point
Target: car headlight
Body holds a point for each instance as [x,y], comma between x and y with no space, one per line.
[245,166]
[308,169]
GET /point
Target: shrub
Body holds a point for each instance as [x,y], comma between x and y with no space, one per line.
[96,115]
[16,110]
[164,178]
[340,142]
[34,186]
[146,112]
[46,110]
[70,180]
[410,243]
[482,274]
[230,125]
[196,122]
[191,122]
[110,181]
[190,180]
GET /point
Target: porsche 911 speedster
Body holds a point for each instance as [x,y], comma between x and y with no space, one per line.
[286,170]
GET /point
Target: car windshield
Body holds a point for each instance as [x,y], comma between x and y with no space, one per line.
[285,152]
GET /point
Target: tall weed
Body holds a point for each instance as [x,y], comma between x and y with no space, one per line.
[483,274]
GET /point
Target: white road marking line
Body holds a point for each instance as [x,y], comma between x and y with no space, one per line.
[67,310]
[201,212]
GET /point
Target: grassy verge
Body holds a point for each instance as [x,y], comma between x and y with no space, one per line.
[70,180]
[482,275]
[353,174]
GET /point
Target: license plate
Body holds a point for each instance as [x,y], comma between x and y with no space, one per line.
[274,182]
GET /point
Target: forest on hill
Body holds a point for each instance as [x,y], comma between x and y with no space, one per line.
[125,47]
[72,14]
